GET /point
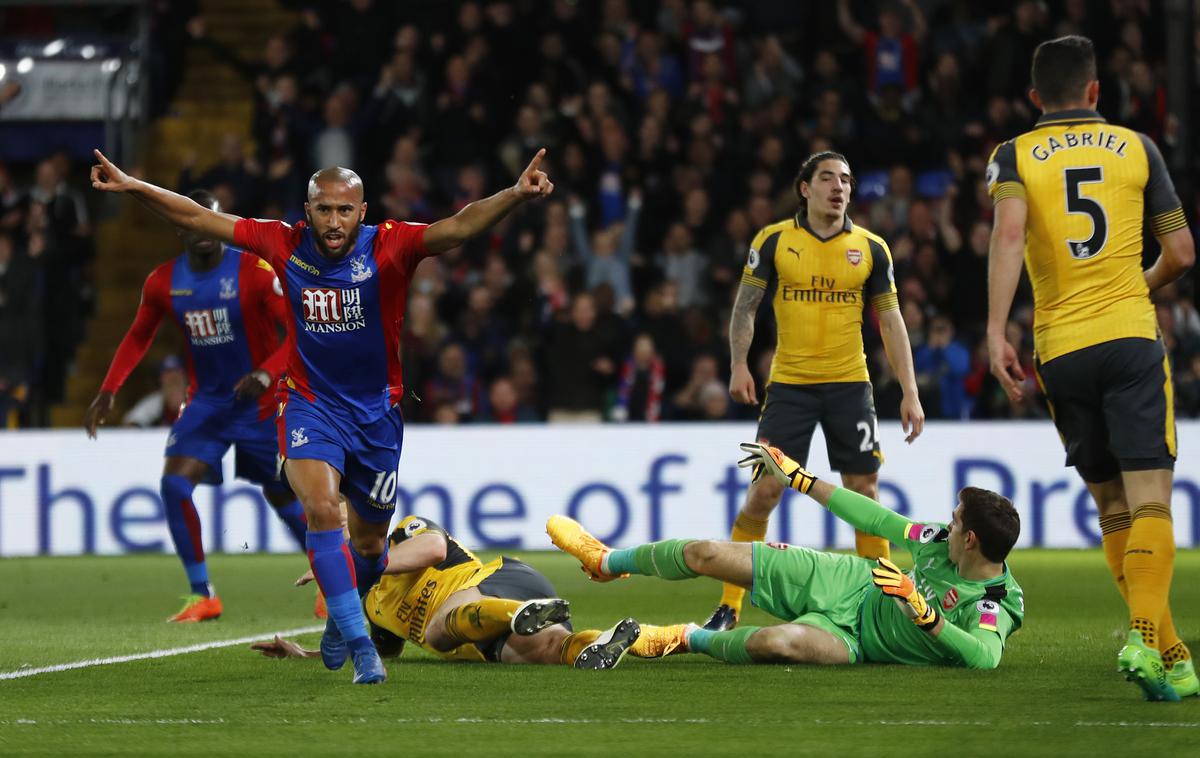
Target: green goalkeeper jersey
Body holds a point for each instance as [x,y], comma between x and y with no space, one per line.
[988,611]
[979,615]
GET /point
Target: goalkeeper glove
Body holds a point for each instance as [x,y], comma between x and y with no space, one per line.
[772,460]
[889,578]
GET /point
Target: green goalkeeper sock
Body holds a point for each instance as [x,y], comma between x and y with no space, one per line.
[662,559]
[727,646]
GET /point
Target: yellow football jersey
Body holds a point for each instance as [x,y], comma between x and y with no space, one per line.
[403,604]
[821,285]
[1088,185]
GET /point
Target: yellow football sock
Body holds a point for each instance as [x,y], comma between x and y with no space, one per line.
[745,529]
[1149,562]
[870,546]
[483,619]
[1176,653]
[1114,534]
[573,645]
[1114,531]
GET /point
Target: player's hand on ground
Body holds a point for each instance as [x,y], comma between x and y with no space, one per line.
[764,458]
[1006,367]
[912,417]
[252,385]
[305,578]
[108,178]
[281,648]
[97,413]
[533,182]
[741,386]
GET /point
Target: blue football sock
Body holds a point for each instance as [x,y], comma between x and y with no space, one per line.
[184,525]
[333,567]
[367,570]
[292,515]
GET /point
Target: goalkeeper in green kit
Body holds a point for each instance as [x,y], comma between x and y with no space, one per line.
[955,608]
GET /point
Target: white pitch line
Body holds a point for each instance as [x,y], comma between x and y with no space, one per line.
[167,653]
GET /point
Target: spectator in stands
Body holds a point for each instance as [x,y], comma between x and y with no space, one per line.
[504,406]
[942,364]
[641,384]
[19,330]
[579,366]
[607,256]
[454,384]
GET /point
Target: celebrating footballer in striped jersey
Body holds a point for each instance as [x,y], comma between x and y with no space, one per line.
[340,429]
[230,308]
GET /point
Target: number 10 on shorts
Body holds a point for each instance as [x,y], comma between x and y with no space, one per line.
[384,489]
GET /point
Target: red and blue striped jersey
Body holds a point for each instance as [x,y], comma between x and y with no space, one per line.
[231,318]
[345,315]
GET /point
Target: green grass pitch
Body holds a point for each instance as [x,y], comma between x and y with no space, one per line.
[1055,693]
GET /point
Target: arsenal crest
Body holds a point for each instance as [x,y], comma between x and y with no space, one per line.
[950,599]
[854,256]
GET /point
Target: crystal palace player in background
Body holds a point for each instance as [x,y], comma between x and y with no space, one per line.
[340,428]
[231,310]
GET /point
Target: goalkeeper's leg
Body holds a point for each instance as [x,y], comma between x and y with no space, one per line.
[731,562]
[750,526]
[867,545]
[785,643]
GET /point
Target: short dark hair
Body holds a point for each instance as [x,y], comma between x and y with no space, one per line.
[205,198]
[1062,68]
[809,167]
[992,517]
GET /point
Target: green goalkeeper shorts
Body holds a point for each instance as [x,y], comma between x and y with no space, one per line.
[823,590]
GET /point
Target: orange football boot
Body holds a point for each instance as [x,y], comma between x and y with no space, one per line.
[198,608]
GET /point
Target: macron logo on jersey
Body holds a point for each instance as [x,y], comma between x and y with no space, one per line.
[208,327]
[332,310]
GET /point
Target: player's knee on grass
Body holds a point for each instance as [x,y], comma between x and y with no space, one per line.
[796,643]
[762,498]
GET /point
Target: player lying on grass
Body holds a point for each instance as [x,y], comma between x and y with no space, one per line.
[955,608]
[439,595]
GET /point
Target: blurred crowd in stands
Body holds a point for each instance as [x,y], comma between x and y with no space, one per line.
[674,131]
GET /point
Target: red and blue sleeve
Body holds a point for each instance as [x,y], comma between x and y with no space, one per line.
[268,240]
[155,304]
[402,242]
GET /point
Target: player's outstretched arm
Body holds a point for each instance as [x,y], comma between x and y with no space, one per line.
[175,208]
[859,511]
[449,233]
[1005,256]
